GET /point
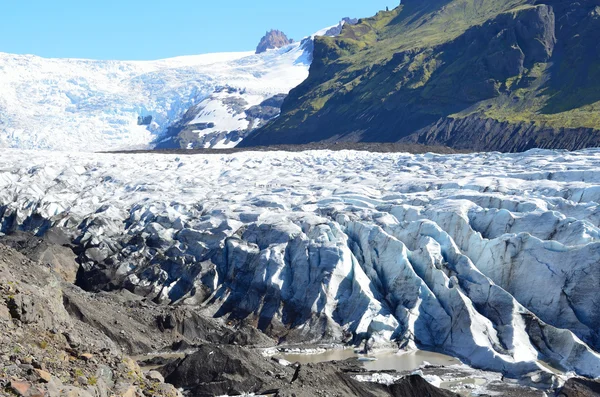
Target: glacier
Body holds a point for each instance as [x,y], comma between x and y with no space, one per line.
[90,105]
[492,258]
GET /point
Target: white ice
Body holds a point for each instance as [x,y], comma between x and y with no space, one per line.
[89,105]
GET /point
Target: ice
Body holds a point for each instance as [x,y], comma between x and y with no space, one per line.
[491,258]
[78,104]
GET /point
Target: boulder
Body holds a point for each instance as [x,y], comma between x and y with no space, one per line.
[416,386]
[43,375]
[155,376]
[19,388]
[578,387]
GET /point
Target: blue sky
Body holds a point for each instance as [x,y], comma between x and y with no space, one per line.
[153,29]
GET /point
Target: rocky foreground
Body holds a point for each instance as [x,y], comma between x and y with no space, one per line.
[57,340]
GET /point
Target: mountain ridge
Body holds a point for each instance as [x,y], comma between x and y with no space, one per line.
[422,65]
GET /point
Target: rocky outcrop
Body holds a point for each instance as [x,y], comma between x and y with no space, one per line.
[576,387]
[336,30]
[46,352]
[188,133]
[481,134]
[271,40]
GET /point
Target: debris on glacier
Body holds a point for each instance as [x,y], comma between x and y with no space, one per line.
[491,258]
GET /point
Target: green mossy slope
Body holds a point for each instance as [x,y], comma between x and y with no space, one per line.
[402,72]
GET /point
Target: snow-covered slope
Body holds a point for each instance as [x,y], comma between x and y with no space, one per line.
[94,105]
[491,258]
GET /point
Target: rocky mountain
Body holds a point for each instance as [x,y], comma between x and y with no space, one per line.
[496,75]
[272,40]
[231,112]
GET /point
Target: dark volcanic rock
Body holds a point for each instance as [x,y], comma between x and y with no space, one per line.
[481,134]
[576,387]
[273,39]
[416,386]
[266,110]
[220,370]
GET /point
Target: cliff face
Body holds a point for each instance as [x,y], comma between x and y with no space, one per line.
[481,134]
[422,72]
[271,40]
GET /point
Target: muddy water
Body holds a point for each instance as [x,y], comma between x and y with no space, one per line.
[409,361]
[384,360]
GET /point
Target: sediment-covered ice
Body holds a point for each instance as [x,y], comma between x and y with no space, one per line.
[492,258]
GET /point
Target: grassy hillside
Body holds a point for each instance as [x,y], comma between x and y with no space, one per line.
[401,72]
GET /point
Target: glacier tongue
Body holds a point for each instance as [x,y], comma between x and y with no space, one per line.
[491,258]
[88,105]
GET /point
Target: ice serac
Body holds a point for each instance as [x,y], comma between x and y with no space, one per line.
[490,258]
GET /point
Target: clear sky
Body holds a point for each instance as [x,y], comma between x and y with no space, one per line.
[153,29]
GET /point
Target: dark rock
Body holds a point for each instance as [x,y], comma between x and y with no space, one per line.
[577,387]
[273,39]
[416,386]
[144,120]
[482,134]
[182,345]
[219,370]
[25,308]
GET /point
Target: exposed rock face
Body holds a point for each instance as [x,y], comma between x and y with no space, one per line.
[336,30]
[508,76]
[479,134]
[575,387]
[46,352]
[271,40]
[190,134]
